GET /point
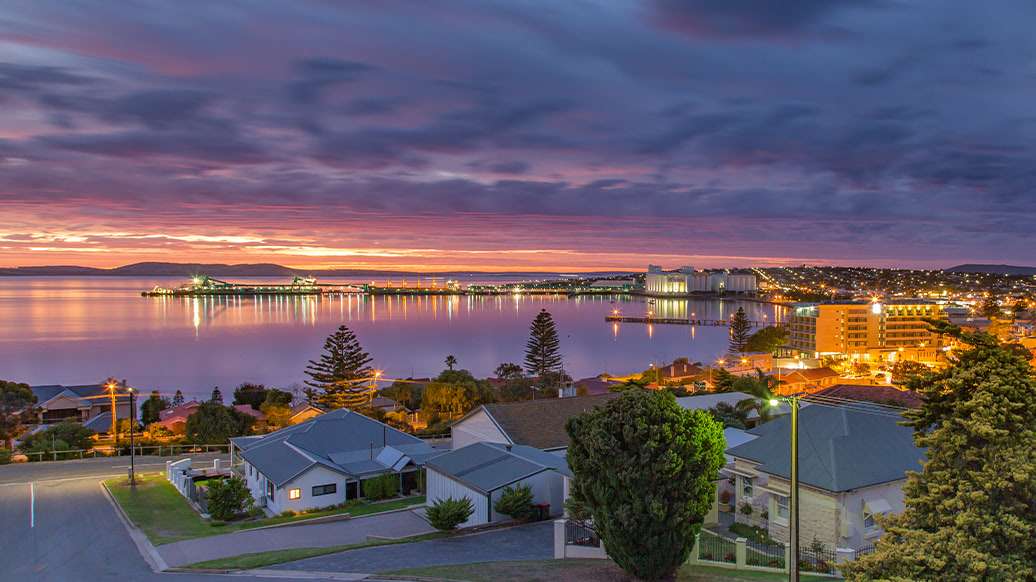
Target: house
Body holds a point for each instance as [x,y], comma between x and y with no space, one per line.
[302,412]
[325,460]
[681,370]
[732,399]
[58,403]
[481,471]
[534,423]
[592,386]
[175,419]
[807,380]
[852,467]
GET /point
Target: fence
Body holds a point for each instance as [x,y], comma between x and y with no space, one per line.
[124,451]
[765,554]
[715,548]
[580,534]
[819,560]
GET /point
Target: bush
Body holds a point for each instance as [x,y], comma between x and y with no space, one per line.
[746,508]
[5,456]
[447,514]
[228,498]
[381,487]
[63,436]
[516,503]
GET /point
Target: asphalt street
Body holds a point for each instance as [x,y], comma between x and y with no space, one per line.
[56,525]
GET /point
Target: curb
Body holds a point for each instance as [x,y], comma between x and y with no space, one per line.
[144,546]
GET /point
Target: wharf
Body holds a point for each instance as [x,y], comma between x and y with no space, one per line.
[676,321]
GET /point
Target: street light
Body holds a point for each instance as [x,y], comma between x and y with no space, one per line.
[793,531]
[133,420]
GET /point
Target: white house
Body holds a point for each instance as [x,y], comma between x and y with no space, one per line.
[481,472]
[57,403]
[852,467]
[325,461]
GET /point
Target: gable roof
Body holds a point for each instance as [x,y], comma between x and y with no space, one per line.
[540,423]
[343,441]
[102,423]
[487,467]
[89,392]
[839,449]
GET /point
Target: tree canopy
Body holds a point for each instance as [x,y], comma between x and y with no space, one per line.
[16,400]
[214,424]
[150,409]
[767,339]
[63,436]
[740,328]
[644,470]
[971,510]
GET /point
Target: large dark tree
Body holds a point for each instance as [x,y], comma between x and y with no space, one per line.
[739,331]
[177,398]
[253,395]
[16,400]
[216,396]
[150,409]
[214,424]
[342,373]
[645,471]
[543,350]
[971,510]
[767,339]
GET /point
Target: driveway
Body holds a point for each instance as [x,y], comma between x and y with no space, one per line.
[527,542]
[352,531]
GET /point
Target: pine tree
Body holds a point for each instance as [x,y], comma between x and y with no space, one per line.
[217,396]
[342,374]
[971,510]
[542,351]
[739,331]
[177,398]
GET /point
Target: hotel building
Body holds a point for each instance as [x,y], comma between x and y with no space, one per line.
[871,331]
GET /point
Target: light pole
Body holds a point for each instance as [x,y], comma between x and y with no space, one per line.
[793,531]
[133,420]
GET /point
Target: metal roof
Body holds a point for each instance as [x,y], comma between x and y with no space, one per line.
[487,467]
[341,440]
[839,449]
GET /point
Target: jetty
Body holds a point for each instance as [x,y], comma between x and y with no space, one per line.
[616,318]
[204,285]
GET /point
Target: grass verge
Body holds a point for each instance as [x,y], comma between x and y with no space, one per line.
[158,509]
[578,570]
[262,559]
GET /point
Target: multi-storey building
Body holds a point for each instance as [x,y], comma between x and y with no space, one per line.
[867,330]
[686,280]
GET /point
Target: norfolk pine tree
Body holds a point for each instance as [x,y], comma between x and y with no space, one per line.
[341,373]
[644,470]
[542,351]
[739,331]
[971,511]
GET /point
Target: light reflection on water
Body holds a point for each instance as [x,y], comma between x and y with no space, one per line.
[77,330]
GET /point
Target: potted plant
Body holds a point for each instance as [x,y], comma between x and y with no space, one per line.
[724,500]
[746,508]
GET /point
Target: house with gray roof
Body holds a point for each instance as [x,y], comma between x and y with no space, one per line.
[481,472]
[326,460]
[82,403]
[535,423]
[852,467]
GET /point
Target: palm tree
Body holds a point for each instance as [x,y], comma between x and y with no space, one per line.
[451,361]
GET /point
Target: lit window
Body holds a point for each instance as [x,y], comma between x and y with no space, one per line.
[782,506]
[294,494]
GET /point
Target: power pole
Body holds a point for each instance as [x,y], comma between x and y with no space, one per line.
[793,570]
[133,420]
[111,385]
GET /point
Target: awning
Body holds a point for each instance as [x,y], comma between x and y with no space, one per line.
[877,506]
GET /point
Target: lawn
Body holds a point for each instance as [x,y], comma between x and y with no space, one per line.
[263,559]
[578,570]
[158,509]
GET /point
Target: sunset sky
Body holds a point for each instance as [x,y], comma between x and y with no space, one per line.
[518,135]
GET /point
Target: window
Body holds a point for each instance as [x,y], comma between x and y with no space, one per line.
[294,494]
[328,489]
[746,486]
[269,490]
[868,519]
[781,503]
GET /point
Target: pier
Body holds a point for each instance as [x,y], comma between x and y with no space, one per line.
[676,321]
[203,286]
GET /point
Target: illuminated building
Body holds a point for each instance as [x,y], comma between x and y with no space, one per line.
[867,330]
[658,282]
[686,280]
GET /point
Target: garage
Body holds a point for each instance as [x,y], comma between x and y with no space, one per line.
[481,471]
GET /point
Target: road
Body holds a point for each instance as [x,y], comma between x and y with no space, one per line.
[98,467]
[56,525]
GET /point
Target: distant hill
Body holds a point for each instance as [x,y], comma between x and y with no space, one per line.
[156,269]
[994,269]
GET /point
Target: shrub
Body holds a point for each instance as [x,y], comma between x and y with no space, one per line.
[381,487]
[63,436]
[515,502]
[746,508]
[5,456]
[447,514]
[228,498]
